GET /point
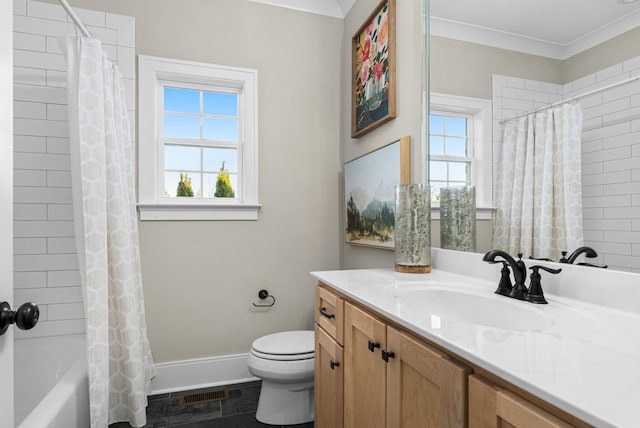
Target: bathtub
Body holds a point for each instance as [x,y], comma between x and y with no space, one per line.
[50,385]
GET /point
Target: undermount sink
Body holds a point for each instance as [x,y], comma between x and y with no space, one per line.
[491,310]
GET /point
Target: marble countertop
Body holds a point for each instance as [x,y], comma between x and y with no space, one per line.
[581,357]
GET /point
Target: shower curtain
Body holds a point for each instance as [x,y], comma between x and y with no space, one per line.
[119,361]
[539,185]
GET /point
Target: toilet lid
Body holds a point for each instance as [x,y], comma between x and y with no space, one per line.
[298,343]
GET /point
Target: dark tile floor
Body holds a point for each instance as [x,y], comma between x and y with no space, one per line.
[237,411]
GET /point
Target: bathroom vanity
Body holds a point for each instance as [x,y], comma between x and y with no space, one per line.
[443,350]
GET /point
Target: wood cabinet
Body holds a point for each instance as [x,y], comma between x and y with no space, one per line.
[365,371]
[424,387]
[371,372]
[394,380]
[328,381]
[493,407]
[329,363]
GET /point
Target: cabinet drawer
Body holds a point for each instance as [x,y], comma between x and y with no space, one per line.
[330,313]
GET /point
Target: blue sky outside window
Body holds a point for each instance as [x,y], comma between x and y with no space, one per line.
[456,126]
[208,118]
[213,158]
[220,129]
[181,100]
[220,104]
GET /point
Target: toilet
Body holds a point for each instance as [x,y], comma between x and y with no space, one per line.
[284,361]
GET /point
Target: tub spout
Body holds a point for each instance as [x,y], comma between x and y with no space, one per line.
[587,251]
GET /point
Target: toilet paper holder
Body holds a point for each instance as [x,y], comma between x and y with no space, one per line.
[263,295]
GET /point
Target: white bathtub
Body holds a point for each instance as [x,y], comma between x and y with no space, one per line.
[51,389]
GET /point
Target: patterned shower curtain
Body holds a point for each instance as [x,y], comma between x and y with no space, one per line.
[539,185]
[120,366]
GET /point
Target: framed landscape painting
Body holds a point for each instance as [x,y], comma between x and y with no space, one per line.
[373,74]
[369,183]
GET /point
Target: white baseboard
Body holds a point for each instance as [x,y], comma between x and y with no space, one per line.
[200,373]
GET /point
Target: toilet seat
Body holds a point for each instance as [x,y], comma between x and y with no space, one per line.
[278,357]
[285,346]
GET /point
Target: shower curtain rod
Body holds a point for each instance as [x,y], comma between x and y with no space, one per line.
[74,18]
[575,97]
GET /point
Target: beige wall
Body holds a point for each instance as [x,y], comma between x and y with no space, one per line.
[614,51]
[200,278]
[408,121]
[465,69]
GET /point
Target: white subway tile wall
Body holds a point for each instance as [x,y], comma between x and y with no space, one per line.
[45,260]
[610,153]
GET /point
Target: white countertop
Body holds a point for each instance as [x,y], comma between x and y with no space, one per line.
[581,357]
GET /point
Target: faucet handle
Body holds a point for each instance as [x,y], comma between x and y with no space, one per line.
[542,259]
[564,258]
[505,286]
[547,269]
[535,294]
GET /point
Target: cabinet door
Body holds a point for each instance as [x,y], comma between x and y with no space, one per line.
[424,387]
[492,407]
[364,370]
[328,381]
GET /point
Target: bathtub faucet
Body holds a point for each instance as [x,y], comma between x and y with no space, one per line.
[587,251]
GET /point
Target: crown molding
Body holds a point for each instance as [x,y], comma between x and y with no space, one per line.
[333,8]
[529,45]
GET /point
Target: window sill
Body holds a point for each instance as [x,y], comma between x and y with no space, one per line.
[481,213]
[169,212]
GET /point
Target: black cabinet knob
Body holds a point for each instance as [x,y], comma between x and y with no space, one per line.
[387,354]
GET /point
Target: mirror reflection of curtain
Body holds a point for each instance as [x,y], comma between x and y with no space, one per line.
[539,184]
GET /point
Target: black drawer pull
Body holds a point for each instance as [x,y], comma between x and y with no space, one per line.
[372,345]
[324,312]
[388,354]
[334,364]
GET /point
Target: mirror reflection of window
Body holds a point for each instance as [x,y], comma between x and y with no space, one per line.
[450,151]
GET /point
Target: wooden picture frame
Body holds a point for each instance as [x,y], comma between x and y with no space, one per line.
[369,183]
[373,72]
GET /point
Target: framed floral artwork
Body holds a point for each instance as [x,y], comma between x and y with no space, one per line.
[369,191]
[373,80]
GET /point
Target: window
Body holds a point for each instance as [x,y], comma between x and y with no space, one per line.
[460,147]
[197,156]
[450,151]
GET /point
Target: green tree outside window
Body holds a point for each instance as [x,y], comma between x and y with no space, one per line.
[223,185]
[184,187]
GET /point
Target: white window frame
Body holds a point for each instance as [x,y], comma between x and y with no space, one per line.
[470,143]
[154,74]
[482,164]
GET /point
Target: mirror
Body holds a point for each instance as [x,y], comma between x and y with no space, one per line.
[549,51]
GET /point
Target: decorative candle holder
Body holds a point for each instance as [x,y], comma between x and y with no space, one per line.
[413,228]
[458,218]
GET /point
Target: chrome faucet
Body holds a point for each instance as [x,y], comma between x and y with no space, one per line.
[587,251]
